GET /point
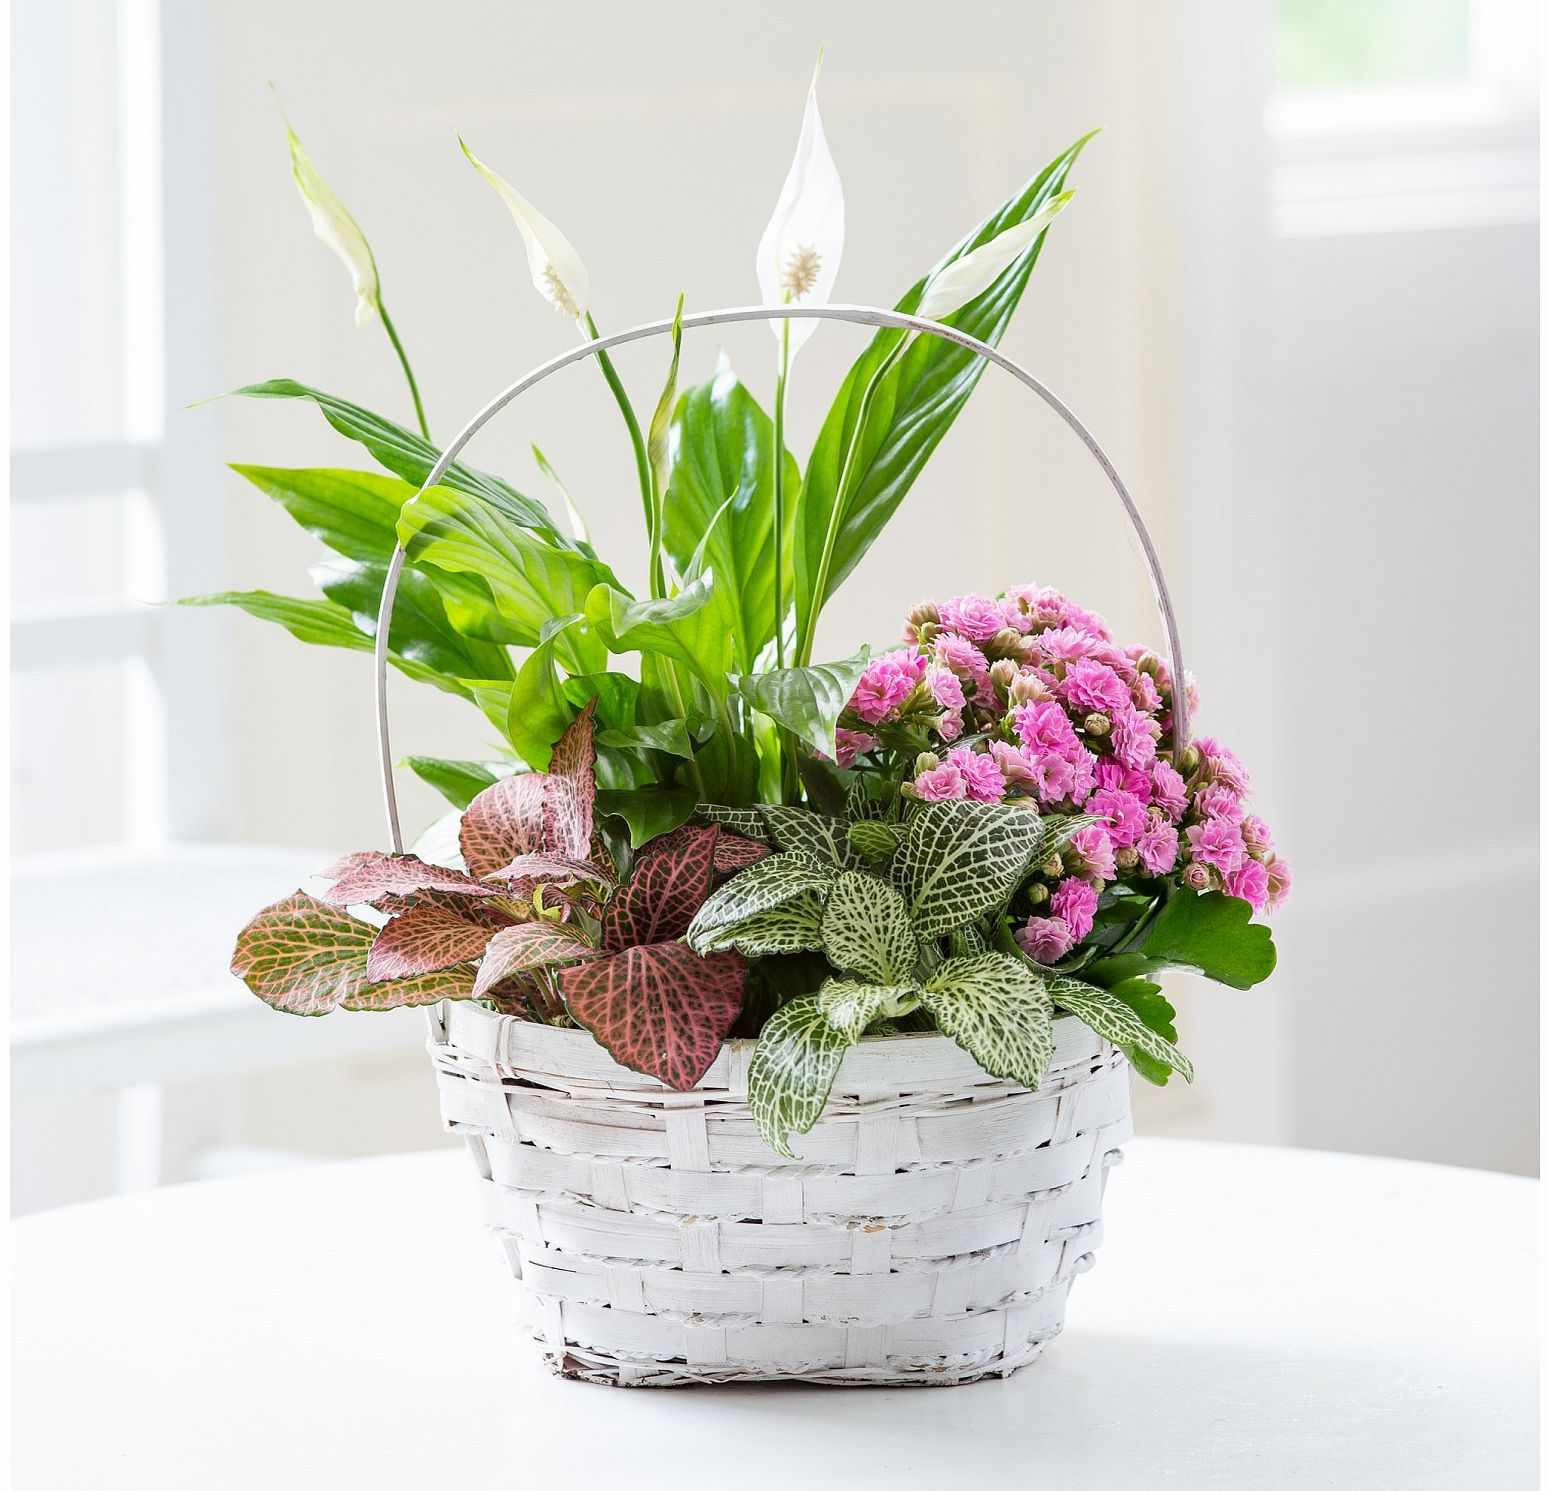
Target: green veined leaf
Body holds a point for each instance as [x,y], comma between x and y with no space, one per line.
[961,859]
[306,957]
[1116,1021]
[772,881]
[460,782]
[802,828]
[875,842]
[915,404]
[1212,934]
[795,926]
[807,701]
[748,822]
[793,1067]
[724,463]
[998,1009]
[1061,828]
[866,929]
[408,456]
[1154,1011]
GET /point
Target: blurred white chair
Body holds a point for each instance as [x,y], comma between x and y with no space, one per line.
[121,985]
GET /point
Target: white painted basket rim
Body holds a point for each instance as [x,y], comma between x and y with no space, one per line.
[510,1044]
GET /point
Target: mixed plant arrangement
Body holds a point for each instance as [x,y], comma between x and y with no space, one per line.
[691,831]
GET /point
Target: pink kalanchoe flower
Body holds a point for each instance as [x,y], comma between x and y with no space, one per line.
[1197,877]
[1132,740]
[1093,852]
[1038,605]
[1046,939]
[1066,644]
[982,777]
[1091,686]
[1218,801]
[1016,767]
[1249,882]
[848,744]
[1216,842]
[1256,835]
[1075,902]
[1278,875]
[1220,765]
[942,783]
[1158,848]
[1089,621]
[1125,811]
[962,657]
[1168,790]
[977,617]
[1054,777]
[946,689]
[885,683]
[1044,726]
[1145,694]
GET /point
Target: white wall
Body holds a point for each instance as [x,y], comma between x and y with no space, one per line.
[1333,440]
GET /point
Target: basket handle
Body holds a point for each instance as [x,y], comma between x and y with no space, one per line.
[860,315]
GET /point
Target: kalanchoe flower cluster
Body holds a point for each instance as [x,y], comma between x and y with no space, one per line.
[1028,697]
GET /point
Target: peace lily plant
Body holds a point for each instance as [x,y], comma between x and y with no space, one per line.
[690,830]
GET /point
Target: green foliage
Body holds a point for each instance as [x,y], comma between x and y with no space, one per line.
[959,860]
[460,782]
[807,701]
[1211,934]
[998,1009]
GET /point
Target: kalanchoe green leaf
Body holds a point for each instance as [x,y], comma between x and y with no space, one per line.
[866,929]
[793,1067]
[1113,1019]
[771,882]
[960,860]
[1213,935]
[998,1009]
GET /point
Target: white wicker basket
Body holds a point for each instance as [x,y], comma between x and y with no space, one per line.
[928,1235]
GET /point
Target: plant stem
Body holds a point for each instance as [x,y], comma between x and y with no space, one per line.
[780,493]
[637,440]
[403,362]
[809,628]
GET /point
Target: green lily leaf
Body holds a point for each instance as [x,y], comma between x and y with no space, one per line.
[914,406]
[538,712]
[648,812]
[684,629]
[671,736]
[807,701]
[408,456]
[460,782]
[532,581]
[998,1009]
[724,464]
[1212,934]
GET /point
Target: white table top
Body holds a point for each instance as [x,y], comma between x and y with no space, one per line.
[1258,1318]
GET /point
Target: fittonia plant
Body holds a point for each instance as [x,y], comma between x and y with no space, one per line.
[691,830]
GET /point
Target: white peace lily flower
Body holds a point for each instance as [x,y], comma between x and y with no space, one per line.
[558,273]
[338,230]
[799,254]
[966,278]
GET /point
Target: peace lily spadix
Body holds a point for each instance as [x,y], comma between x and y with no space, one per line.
[799,254]
[558,273]
[968,278]
[338,230]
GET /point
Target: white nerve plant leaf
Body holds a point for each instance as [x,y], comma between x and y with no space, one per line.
[969,277]
[338,230]
[799,254]
[557,271]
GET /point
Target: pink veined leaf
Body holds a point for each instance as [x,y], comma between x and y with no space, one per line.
[663,1009]
[734,852]
[402,875]
[518,995]
[337,868]
[572,792]
[560,868]
[541,944]
[424,940]
[487,912]
[503,821]
[671,880]
[305,957]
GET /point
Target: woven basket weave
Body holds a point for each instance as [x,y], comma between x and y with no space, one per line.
[928,1235]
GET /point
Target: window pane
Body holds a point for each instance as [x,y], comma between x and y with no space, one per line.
[67,756]
[67,549]
[1337,44]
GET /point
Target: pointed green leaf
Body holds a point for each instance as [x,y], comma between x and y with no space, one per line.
[774,880]
[684,628]
[538,711]
[807,701]
[648,812]
[460,782]
[998,1009]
